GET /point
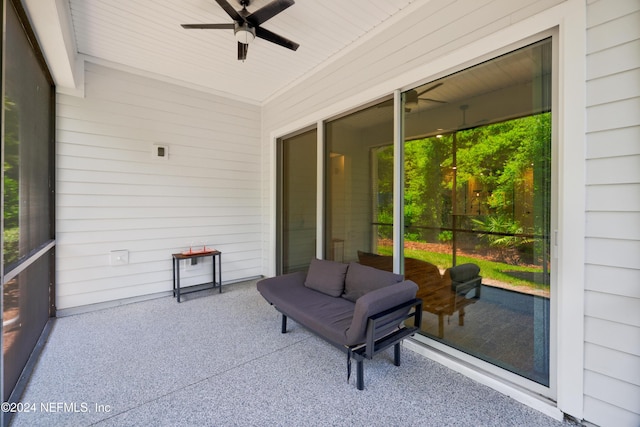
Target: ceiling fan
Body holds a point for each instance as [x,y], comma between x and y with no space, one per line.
[246,25]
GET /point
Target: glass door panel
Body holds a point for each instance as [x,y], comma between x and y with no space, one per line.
[359,187]
[298,201]
[477,190]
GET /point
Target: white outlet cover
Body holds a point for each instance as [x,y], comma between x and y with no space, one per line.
[119,257]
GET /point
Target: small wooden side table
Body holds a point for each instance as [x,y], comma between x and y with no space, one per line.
[217,271]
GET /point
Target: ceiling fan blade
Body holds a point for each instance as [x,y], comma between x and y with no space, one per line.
[230,10]
[209,26]
[430,88]
[242,51]
[275,38]
[268,11]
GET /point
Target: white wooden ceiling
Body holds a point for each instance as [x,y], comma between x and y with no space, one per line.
[146,35]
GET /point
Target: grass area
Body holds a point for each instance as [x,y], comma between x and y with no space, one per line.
[488,269]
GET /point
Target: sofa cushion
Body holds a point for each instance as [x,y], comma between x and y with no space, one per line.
[326,276]
[327,316]
[362,279]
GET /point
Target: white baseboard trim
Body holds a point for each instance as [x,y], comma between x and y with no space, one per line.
[72,311]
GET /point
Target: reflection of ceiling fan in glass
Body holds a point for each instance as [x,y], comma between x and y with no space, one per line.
[464,125]
[413,97]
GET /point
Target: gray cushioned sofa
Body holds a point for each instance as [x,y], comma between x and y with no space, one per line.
[359,309]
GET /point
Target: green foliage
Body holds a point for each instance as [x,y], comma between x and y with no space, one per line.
[502,189]
[496,159]
[498,156]
[385,232]
[11,189]
[445,236]
[504,235]
[384,215]
[425,203]
[11,245]
[11,166]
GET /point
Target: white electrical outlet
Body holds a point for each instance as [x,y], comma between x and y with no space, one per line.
[119,257]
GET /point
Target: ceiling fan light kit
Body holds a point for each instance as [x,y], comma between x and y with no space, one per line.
[244,34]
[246,25]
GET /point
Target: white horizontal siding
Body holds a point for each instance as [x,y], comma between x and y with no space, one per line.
[112,194]
[615,170]
[615,308]
[615,280]
[616,336]
[612,363]
[624,394]
[612,300]
[614,225]
[613,142]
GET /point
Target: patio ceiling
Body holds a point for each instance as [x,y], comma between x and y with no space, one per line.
[146,36]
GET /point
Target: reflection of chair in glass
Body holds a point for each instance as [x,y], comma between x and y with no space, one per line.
[441,294]
[451,294]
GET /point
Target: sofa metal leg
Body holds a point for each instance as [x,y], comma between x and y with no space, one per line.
[284,324]
[396,354]
[360,374]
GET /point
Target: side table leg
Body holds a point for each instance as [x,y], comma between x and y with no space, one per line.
[219,272]
[173,266]
[178,279]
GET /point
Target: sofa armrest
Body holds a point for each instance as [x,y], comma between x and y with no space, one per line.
[375,302]
[378,335]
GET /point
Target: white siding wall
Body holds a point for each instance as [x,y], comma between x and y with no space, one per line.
[612,300]
[112,194]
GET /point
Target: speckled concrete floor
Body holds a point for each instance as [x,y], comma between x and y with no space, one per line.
[220,360]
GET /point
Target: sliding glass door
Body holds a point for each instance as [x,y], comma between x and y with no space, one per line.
[478,190]
[297,196]
[475,151]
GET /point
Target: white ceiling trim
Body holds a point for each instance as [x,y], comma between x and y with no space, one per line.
[51,20]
